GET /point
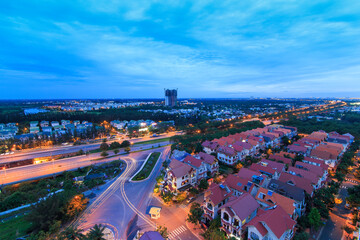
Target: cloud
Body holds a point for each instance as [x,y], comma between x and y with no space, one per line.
[204,48]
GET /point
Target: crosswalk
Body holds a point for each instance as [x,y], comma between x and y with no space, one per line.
[174,235]
[350,180]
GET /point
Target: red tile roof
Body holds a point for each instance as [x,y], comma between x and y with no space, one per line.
[261,169]
[305,174]
[247,174]
[217,193]
[276,219]
[319,171]
[297,181]
[209,159]
[279,167]
[178,168]
[228,151]
[272,198]
[192,161]
[243,205]
[238,183]
[281,159]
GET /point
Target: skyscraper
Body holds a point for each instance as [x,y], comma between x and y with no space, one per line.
[170,97]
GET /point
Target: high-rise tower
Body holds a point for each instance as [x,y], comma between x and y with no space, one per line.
[170,97]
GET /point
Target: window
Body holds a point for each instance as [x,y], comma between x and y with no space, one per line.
[226,217]
[209,206]
[261,196]
[236,223]
[254,236]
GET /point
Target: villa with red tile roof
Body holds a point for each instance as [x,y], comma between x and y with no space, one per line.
[214,197]
[268,199]
[236,213]
[253,176]
[210,161]
[180,175]
[227,155]
[210,147]
[279,158]
[198,165]
[271,224]
[314,178]
[238,185]
[298,181]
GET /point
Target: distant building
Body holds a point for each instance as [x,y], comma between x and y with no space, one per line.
[170,97]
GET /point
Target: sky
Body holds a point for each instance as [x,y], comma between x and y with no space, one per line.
[136,48]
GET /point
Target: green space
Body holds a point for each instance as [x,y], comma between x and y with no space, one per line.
[149,165]
[14,228]
[154,141]
[46,218]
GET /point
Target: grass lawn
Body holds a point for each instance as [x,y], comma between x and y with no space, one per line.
[153,141]
[13,228]
[145,172]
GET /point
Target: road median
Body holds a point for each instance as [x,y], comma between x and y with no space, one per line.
[147,168]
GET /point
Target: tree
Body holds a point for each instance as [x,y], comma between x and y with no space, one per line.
[181,197]
[163,231]
[348,229]
[195,214]
[238,166]
[80,152]
[301,236]
[115,145]
[96,233]
[104,146]
[116,151]
[127,149]
[104,154]
[71,233]
[198,148]
[125,144]
[203,185]
[315,219]
[76,205]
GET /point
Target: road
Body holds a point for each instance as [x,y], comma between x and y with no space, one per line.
[28,172]
[339,216]
[36,153]
[123,205]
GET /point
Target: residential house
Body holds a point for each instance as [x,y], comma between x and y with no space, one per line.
[236,213]
[210,147]
[180,176]
[198,165]
[54,123]
[214,197]
[210,161]
[298,181]
[34,124]
[290,191]
[239,185]
[44,124]
[227,155]
[274,224]
[269,199]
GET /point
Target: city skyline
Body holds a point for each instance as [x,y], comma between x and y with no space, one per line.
[74,49]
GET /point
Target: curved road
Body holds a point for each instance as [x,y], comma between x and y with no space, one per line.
[123,205]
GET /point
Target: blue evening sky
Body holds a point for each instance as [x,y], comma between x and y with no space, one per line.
[136,48]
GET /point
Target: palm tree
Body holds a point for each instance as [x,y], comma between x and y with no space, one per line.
[71,233]
[96,233]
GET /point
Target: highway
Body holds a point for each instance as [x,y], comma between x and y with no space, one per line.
[28,172]
[36,153]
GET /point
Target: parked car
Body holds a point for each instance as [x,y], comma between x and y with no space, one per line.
[190,200]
